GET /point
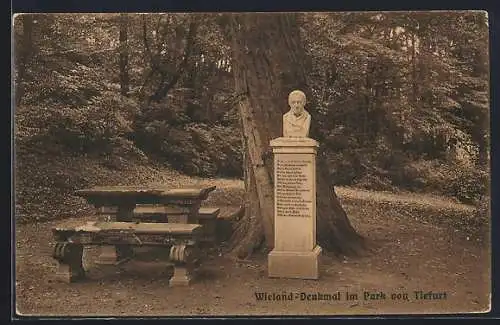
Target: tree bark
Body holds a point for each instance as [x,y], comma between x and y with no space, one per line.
[269,62]
[124,76]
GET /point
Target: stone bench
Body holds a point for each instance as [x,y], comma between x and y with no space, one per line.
[156,213]
[180,242]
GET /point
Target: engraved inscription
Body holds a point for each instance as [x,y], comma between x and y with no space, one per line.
[293,189]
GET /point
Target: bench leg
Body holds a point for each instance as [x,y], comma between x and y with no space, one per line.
[69,257]
[184,258]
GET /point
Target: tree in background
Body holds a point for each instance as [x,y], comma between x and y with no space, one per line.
[395,91]
[24,54]
[124,77]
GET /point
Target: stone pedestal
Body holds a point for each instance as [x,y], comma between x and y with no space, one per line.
[295,253]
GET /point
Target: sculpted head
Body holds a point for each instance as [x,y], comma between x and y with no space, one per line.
[297,101]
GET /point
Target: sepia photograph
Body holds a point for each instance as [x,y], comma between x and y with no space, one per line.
[251,164]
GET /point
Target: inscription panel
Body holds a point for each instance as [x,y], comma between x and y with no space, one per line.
[293,181]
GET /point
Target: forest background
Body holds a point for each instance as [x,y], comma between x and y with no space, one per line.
[401,101]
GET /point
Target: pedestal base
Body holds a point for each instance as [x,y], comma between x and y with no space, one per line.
[298,265]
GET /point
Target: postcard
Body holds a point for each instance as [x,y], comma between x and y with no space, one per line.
[257,164]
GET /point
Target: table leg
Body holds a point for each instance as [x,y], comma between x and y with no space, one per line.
[179,216]
[118,254]
[194,212]
[125,213]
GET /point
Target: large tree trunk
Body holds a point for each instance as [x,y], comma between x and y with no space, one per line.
[268,63]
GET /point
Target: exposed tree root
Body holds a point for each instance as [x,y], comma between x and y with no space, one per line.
[247,237]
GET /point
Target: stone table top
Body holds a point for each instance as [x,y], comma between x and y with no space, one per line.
[116,195]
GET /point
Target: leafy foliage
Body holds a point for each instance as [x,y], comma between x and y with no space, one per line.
[394,90]
[197,148]
[401,99]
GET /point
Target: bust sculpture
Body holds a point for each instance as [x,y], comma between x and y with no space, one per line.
[297,120]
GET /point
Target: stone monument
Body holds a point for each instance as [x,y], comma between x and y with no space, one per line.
[295,253]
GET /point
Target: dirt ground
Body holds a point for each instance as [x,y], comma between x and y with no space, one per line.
[408,253]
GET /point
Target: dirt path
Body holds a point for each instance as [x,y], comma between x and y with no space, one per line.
[427,200]
[407,255]
[424,200]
